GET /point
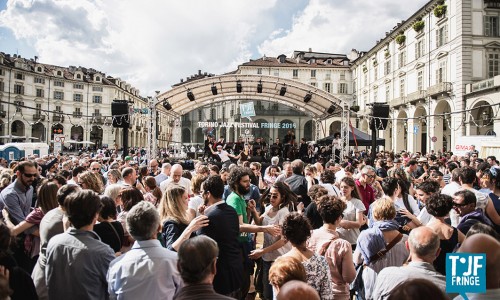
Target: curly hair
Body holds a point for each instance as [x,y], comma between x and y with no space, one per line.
[328,176]
[428,186]
[170,205]
[296,228]
[235,175]
[330,208]
[439,205]
[92,182]
[316,191]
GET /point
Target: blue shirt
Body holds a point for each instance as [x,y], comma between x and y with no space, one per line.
[16,198]
[147,271]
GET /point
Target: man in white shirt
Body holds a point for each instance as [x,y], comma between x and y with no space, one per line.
[147,271]
[224,156]
[176,178]
[423,244]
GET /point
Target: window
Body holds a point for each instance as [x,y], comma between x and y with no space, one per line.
[441,72]
[420,80]
[18,105]
[365,79]
[375,72]
[97,88]
[441,36]
[58,95]
[223,112]
[491,25]
[200,114]
[353,86]
[2,86]
[328,75]
[327,87]
[387,92]
[98,78]
[97,99]
[78,76]
[419,48]
[313,73]
[342,75]
[259,71]
[2,72]
[38,109]
[295,73]
[493,64]
[375,95]
[19,76]
[96,113]
[58,108]
[313,83]
[276,72]
[78,86]
[39,69]
[78,97]
[342,88]
[39,92]
[59,73]
[212,114]
[402,89]
[387,67]
[77,113]
[39,80]
[401,59]
[59,83]
[18,89]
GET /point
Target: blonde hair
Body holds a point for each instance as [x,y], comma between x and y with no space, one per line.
[92,181]
[170,204]
[384,209]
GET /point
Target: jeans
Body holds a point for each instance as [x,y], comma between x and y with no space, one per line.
[267,288]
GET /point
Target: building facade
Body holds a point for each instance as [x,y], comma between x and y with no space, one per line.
[421,69]
[39,100]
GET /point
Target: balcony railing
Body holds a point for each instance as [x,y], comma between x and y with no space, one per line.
[396,102]
[98,120]
[57,118]
[37,117]
[492,4]
[442,88]
[415,96]
[483,85]
[77,114]
[3,113]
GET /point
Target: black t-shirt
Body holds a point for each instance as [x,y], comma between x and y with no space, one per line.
[224,228]
[109,236]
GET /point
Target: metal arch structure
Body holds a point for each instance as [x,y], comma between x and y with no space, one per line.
[317,107]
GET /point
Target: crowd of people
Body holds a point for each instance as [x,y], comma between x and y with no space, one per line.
[89,226]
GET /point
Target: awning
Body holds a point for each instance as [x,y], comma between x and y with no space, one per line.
[362,138]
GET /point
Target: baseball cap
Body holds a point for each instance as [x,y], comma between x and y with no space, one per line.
[127,158]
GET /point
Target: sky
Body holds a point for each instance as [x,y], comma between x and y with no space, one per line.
[152,44]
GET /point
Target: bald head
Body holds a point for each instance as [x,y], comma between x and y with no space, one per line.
[423,244]
[297,290]
[483,243]
[176,173]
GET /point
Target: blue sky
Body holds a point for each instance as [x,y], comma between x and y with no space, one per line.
[153,44]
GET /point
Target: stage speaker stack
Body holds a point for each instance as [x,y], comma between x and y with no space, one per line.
[380,115]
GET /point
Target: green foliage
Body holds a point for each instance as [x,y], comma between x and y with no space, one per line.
[418,25]
[400,39]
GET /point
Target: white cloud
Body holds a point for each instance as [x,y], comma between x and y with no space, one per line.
[153,43]
[337,26]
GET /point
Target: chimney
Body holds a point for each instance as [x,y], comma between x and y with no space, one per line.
[310,50]
[199,72]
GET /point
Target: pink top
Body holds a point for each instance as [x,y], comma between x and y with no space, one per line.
[335,255]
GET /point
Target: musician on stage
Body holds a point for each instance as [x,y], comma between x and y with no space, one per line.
[277,148]
[336,146]
[288,141]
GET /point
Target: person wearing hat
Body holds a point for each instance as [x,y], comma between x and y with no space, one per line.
[223,155]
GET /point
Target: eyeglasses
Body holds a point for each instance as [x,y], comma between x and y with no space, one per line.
[30,175]
[370,176]
[460,204]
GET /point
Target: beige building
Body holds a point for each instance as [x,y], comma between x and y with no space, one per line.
[39,100]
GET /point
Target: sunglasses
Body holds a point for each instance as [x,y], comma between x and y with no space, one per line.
[30,175]
[460,204]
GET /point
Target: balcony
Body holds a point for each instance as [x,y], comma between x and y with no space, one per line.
[492,4]
[57,118]
[3,113]
[138,127]
[397,102]
[440,89]
[77,114]
[415,96]
[98,120]
[37,117]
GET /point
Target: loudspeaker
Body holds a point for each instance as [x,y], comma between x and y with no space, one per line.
[119,110]
[379,111]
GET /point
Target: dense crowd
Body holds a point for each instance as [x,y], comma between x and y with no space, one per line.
[99,226]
